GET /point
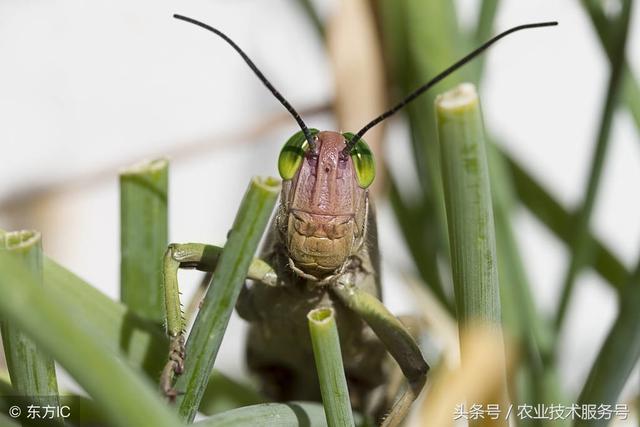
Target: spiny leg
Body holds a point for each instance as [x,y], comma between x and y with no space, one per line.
[395,337]
[204,258]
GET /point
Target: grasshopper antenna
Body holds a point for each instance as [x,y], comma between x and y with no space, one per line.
[419,91]
[258,73]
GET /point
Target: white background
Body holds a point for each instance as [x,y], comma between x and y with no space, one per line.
[86,88]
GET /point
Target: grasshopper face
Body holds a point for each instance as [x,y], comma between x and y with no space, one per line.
[323,207]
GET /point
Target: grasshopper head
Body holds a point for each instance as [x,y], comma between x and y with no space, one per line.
[324,199]
[326,174]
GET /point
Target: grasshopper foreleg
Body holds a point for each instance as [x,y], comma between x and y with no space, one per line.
[204,258]
[397,340]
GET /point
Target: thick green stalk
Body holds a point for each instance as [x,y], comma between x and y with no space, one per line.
[328,357]
[205,338]
[465,175]
[124,396]
[619,353]
[468,203]
[143,237]
[293,414]
[580,248]
[32,371]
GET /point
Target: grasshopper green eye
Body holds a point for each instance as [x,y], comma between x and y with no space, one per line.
[363,161]
[292,154]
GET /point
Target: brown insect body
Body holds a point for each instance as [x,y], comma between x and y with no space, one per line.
[323,232]
[321,251]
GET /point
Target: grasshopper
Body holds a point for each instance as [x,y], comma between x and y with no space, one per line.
[321,251]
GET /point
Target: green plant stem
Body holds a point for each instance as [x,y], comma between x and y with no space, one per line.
[618,356]
[486,17]
[82,410]
[124,396]
[465,176]
[431,48]
[561,222]
[312,14]
[469,207]
[143,237]
[421,38]
[482,33]
[328,357]
[32,371]
[631,95]
[631,92]
[293,414]
[205,338]
[123,332]
[580,248]
[120,330]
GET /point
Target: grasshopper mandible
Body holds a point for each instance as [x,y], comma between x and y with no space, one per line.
[321,251]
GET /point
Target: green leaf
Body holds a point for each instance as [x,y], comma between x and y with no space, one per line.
[631,90]
[125,397]
[32,371]
[562,223]
[123,332]
[580,243]
[619,353]
[120,330]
